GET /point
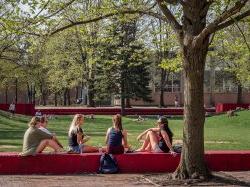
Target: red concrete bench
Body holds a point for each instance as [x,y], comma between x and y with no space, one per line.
[11,163]
[223,107]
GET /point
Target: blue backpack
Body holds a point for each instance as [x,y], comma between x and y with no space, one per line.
[108,164]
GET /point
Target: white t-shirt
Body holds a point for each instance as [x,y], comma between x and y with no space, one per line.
[12,107]
[45,130]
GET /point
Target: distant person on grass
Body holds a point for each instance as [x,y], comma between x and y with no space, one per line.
[12,108]
[157,139]
[35,140]
[116,136]
[77,138]
[43,127]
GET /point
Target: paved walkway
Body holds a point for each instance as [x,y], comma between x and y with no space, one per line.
[120,180]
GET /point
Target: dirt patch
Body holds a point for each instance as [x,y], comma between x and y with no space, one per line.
[136,180]
[218,179]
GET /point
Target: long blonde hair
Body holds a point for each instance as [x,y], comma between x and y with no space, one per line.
[74,123]
[117,121]
[34,120]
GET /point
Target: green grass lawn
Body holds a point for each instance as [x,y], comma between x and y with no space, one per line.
[221,132]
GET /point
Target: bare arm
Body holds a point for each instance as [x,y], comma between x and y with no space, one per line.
[125,139]
[79,138]
[107,136]
[167,140]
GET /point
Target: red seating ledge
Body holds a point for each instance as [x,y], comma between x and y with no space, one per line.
[11,163]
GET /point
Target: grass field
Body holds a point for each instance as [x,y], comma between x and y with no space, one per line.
[221,132]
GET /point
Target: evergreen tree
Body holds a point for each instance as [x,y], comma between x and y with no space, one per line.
[124,69]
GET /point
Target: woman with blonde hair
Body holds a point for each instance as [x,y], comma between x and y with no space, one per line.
[116,136]
[35,140]
[77,138]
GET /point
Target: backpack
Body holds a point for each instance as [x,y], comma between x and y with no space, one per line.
[108,164]
[177,148]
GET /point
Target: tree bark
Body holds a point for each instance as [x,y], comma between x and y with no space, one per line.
[29,92]
[91,94]
[128,105]
[16,83]
[162,91]
[122,97]
[68,97]
[55,99]
[239,94]
[65,97]
[44,94]
[192,164]
[6,94]
[77,93]
[34,94]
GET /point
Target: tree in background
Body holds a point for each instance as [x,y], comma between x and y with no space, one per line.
[232,51]
[168,60]
[124,63]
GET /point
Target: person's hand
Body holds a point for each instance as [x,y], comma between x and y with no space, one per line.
[173,153]
[138,138]
[86,138]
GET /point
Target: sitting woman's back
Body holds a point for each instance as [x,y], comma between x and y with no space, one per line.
[116,137]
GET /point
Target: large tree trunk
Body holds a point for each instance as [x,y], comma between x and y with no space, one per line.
[239,94]
[192,164]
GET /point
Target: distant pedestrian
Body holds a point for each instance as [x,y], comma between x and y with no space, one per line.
[12,108]
[38,113]
[176,102]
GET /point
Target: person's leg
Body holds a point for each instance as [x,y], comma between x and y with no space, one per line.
[146,144]
[89,149]
[153,140]
[47,143]
[148,148]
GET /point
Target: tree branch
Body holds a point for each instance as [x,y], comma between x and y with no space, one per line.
[173,22]
[59,10]
[243,35]
[146,12]
[232,21]
[218,24]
